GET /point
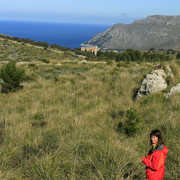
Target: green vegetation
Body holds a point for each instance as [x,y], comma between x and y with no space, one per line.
[35,43]
[130,55]
[77,120]
[60,47]
[45,61]
[12,76]
[130,127]
[178,55]
[26,40]
[150,56]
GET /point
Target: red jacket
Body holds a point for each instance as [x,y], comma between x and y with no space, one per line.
[155,163]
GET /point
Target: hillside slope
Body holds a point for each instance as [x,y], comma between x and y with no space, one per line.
[67,121]
[161,32]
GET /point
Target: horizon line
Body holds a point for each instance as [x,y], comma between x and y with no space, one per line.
[56,22]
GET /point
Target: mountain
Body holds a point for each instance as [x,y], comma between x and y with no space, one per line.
[162,32]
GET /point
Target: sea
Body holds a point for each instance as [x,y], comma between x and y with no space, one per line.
[64,34]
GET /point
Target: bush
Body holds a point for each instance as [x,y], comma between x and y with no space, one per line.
[130,126]
[47,61]
[178,55]
[12,76]
[131,122]
[129,55]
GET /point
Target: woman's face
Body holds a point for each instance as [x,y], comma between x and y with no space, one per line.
[154,139]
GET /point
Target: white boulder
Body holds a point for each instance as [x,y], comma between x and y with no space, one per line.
[173,90]
[83,61]
[153,82]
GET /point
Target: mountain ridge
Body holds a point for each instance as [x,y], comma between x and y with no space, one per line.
[157,31]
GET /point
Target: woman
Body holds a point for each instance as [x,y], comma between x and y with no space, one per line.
[155,161]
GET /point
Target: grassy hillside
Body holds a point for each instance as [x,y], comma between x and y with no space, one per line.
[65,122]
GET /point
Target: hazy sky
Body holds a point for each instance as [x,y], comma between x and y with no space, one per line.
[86,11]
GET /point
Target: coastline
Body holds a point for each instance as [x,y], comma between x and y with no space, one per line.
[63,34]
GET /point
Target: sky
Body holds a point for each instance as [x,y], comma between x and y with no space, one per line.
[86,11]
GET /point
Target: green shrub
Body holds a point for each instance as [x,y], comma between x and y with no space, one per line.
[178,55]
[123,57]
[12,76]
[132,121]
[130,126]
[47,61]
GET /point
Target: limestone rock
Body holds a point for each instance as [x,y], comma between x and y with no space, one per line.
[59,64]
[21,63]
[154,31]
[154,82]
[4,62]
[99,62]
[169,71]
[83,61]
[173,90]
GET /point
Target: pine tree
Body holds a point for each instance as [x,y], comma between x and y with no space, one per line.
[12,76]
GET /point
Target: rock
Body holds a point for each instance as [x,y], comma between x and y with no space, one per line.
[99,62]
[154,31]
[154,82]
[169,71]
[21,63]
[173,90]
[4,62]
[13,56]
[83,61]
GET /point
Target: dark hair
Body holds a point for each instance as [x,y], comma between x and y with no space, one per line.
[158,134]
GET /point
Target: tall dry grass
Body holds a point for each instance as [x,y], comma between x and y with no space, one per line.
[64,124]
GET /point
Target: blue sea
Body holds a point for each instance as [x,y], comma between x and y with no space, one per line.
[63,34]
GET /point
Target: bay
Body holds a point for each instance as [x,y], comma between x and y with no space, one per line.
[64,34]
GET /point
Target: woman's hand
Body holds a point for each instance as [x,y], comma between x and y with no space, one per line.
[144,160]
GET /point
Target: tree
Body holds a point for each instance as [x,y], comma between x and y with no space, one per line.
[131,53]
[12,76]
[152,49]
[45,45]
[138,55]
[146,56]
[123,57]
[126,57]
[118,57]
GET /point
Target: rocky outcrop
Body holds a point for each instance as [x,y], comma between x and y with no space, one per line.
[153,82]
[173,90]
[22,63]
[160,32]
[83,61]
[169,72]
[59,64]
[4,62]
